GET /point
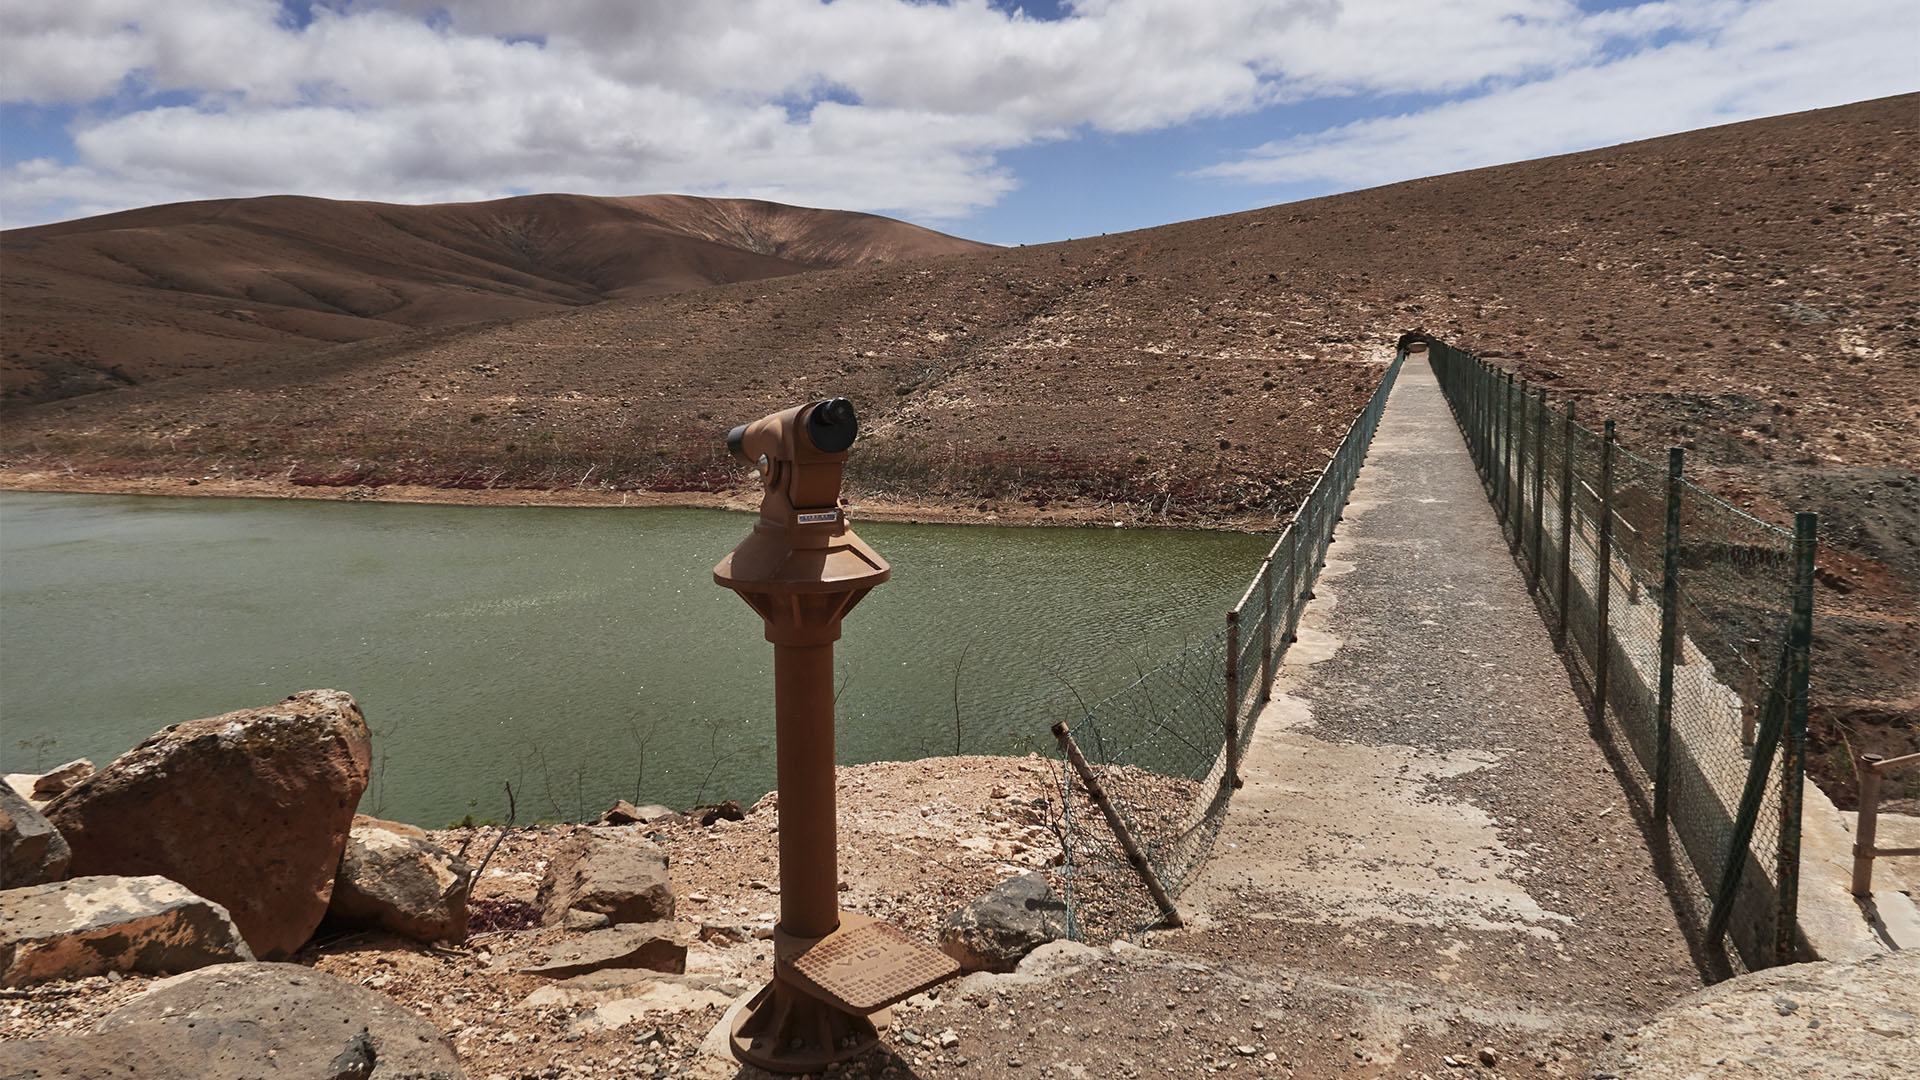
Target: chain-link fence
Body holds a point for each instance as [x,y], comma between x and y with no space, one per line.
[1147,774]
[1689,623]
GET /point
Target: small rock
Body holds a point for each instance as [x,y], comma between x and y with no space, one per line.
[401,827]
[580,922]
[1488,1057]
[625,813]
[1011,920]
[726,811]
[403,884]
[655,946]
[610,871]
[726,933]
[621,812]
[949,1039]
[32,851]
[60,779]
[22,785]
[92,925]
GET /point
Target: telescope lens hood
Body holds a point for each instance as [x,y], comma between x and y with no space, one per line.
[832,426]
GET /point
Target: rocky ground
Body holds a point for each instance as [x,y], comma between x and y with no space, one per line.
[918,840]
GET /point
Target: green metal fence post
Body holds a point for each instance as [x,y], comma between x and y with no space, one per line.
[1266,627]
[1483,397]
[1566,516]
[1603,581]
[1492,469]
[1232,776]
[1539,477]
[1516,449]
[1292,539]
[1506,445]
[1470,390]
[1773,714]
[1491,424]
[1669,636]
[1477,391]
[1517,458]
[1793,762]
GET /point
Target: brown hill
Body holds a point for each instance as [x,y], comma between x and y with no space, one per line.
[149,294]
[1745,290]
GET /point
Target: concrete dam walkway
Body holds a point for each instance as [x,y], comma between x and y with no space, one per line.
[1428,824]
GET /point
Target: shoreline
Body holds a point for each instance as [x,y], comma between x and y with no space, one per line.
[954,510]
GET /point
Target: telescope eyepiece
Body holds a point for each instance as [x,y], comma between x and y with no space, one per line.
[736,443]
[832,425]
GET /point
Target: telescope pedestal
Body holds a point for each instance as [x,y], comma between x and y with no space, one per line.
[786,1030]
[802,569]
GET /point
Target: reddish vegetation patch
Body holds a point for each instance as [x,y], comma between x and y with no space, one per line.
[488,915]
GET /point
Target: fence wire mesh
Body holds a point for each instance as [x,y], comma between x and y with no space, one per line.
[1158,760]
[1708,700]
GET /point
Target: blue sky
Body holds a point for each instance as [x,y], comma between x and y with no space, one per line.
[1012,123]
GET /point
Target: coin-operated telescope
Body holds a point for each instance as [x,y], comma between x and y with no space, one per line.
[802,569]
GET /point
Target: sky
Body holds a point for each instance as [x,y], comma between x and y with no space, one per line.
[1009,122]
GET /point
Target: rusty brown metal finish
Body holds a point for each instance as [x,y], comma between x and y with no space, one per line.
[809,816]
[802,570]
[1868,769]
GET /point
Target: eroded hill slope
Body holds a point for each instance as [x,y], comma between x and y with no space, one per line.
[130,298]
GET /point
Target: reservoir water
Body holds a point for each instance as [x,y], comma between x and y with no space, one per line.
[582,654]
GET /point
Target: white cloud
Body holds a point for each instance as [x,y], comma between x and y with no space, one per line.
[865,104]
[1757,60]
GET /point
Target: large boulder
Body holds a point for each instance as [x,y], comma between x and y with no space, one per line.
[607,871]
[32,851]
[250,810]
[243,1022]
[1833,1018]
[392,878]
[1015,917]
[92,925]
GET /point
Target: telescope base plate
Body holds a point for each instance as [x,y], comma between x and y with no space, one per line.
[863,966]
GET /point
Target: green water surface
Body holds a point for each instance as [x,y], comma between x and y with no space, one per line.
[582,654]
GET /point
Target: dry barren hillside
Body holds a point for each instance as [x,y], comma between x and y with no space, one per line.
[1747,291]
[149,294]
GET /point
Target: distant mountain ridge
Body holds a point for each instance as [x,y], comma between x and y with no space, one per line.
[146,294]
